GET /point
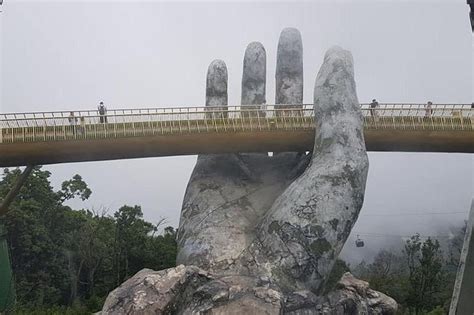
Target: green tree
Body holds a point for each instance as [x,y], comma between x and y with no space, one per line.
[130,241]
[165,245]
[65,257]
[419,278]
[425,264]
[36,231]
[89,248]
[74,187]
[38,228]
[387,273]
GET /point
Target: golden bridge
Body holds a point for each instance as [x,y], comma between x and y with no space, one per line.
[61,137]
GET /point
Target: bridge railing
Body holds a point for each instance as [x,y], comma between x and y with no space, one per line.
[77,125]
[13,120]
[30,127]
[418,110]
[443,117]
[388,109]
[20,120]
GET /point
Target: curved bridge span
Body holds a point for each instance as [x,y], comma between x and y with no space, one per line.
[62,137]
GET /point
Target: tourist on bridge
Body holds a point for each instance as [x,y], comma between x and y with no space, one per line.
[82,126]
[429,109]
[373,108]
[72,121]
[102,111]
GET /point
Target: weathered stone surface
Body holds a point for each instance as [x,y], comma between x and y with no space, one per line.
[216,85]
[190,290]
[254,75]
[227,194]
[155,292]
[225,197]
[306,227]
[351,296]
[289,68]
[270,228]
[224,201]
[354,296]
[246,214]
[208,220]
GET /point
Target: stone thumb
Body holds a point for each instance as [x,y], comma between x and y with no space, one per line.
[308,224]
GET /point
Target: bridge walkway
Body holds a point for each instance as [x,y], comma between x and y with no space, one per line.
[58,137]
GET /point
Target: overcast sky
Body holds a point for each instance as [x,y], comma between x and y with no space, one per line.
[69,56]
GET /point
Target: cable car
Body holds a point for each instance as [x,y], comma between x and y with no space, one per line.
[359,242]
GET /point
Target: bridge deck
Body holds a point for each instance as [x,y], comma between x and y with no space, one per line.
[58,137]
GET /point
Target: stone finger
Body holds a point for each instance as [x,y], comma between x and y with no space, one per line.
[289,68]
[216,89]
[254,80]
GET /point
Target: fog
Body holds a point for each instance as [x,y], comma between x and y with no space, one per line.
[71,55]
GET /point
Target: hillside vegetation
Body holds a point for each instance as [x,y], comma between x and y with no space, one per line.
[66,261]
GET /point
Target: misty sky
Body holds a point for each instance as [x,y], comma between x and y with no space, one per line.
[71,55]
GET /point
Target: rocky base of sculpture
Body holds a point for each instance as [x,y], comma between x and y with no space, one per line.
[190,290]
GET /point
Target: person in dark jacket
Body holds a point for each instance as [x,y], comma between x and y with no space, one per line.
[373,107]
[102,111]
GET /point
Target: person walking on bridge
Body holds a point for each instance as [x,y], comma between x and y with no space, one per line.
[72,121]
[429,109]
[102,111]
[82,125]
[373,108]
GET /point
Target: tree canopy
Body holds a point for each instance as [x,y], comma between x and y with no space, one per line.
[66,261]
[420,277]
[64,257]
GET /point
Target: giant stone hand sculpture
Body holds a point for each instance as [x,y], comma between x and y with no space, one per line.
[283,217]
[259,234]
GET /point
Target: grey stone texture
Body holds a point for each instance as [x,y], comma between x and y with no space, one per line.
[228,194]
[190,290]
[307,225]
[279,222]
[225,199]
[289,68]
[254,75]
[463,295]
[247,214]
[216,87]
[155,292]
[216,84]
